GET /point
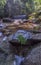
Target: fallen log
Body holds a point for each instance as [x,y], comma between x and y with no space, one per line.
[12,28]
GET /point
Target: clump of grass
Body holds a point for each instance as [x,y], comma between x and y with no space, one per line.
[21,39]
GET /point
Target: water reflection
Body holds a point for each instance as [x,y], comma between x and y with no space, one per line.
[18,60]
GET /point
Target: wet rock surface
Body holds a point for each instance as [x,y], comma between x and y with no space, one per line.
[25,34]
[14,38]
[31,38]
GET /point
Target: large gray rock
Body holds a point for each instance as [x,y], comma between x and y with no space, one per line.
[34,58]
[25,34]
[36,36]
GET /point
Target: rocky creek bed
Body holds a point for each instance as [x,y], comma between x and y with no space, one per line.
[29,54]
[19,55]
